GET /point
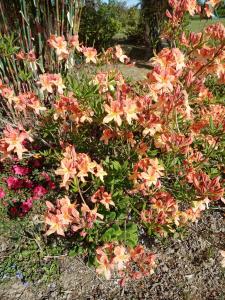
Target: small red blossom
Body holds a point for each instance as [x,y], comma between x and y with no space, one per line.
[2,193]
[20,170]
[27,205]
[14,183]
[39,191]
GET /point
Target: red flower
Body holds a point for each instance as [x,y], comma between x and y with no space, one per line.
[51,185]
[27,183]
[20,170]
[14,183]
[27,205]
[13,211]
[39,191]
[2,193]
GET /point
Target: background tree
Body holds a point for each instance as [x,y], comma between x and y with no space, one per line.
[153,15]
[100,22]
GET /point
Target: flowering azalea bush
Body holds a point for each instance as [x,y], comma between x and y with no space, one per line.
[124,160]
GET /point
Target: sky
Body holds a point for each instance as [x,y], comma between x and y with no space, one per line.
[132,2]
[129,2]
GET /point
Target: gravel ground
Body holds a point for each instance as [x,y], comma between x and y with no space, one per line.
[188,269]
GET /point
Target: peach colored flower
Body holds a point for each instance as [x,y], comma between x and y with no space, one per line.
[105,266]
[90,54]
[14,138]
[115,111]
[55,224]
[119,54]
[121,257]
[73,42]
[50,81]
[59,43]
[100,196]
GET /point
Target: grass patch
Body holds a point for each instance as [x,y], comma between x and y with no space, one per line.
[197,25]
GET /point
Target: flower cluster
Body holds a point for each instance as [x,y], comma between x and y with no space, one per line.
[101,196]
[128,263]
[30,56]
[163,214]
[14,141]
[77,165]
[69,108]
[192,7]
[67,216]
[50,81]
[24,189]
[146,173]
[64,49]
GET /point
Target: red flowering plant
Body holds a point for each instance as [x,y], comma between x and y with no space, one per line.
[127,158]
[23,184]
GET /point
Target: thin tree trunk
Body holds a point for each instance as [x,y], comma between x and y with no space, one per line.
[153,12]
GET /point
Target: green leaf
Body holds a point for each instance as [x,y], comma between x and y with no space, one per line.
[116,165]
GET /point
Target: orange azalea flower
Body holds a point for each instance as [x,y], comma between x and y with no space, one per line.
[222,78]
[66,203]
[55,224]
[21,55]
[130,111]
[101,79]
[216,31]
[174,142]
[179,58]
[28,100]
[68,107]
[147,216]
[105,266]
[84,165]
[7,93]
[48,81]
[142,149]
[90,53]
[74,42]
[119,54]
[147,171]
[3,150]
[36,106]
[65,216]
[59,43]
[77,165]
[190,6]
[152,175]
[192,40]
[193,215]
[102,197]
[144,262]
[121,257]
[107,135]
[206,187]
[90,215]
[50,206]
[115,111]
[164,80]
[168,58]
[58,83]
[14,138]
[99,172]
[200,205]
[67,170]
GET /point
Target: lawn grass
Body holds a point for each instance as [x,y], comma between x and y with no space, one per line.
[197,25]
